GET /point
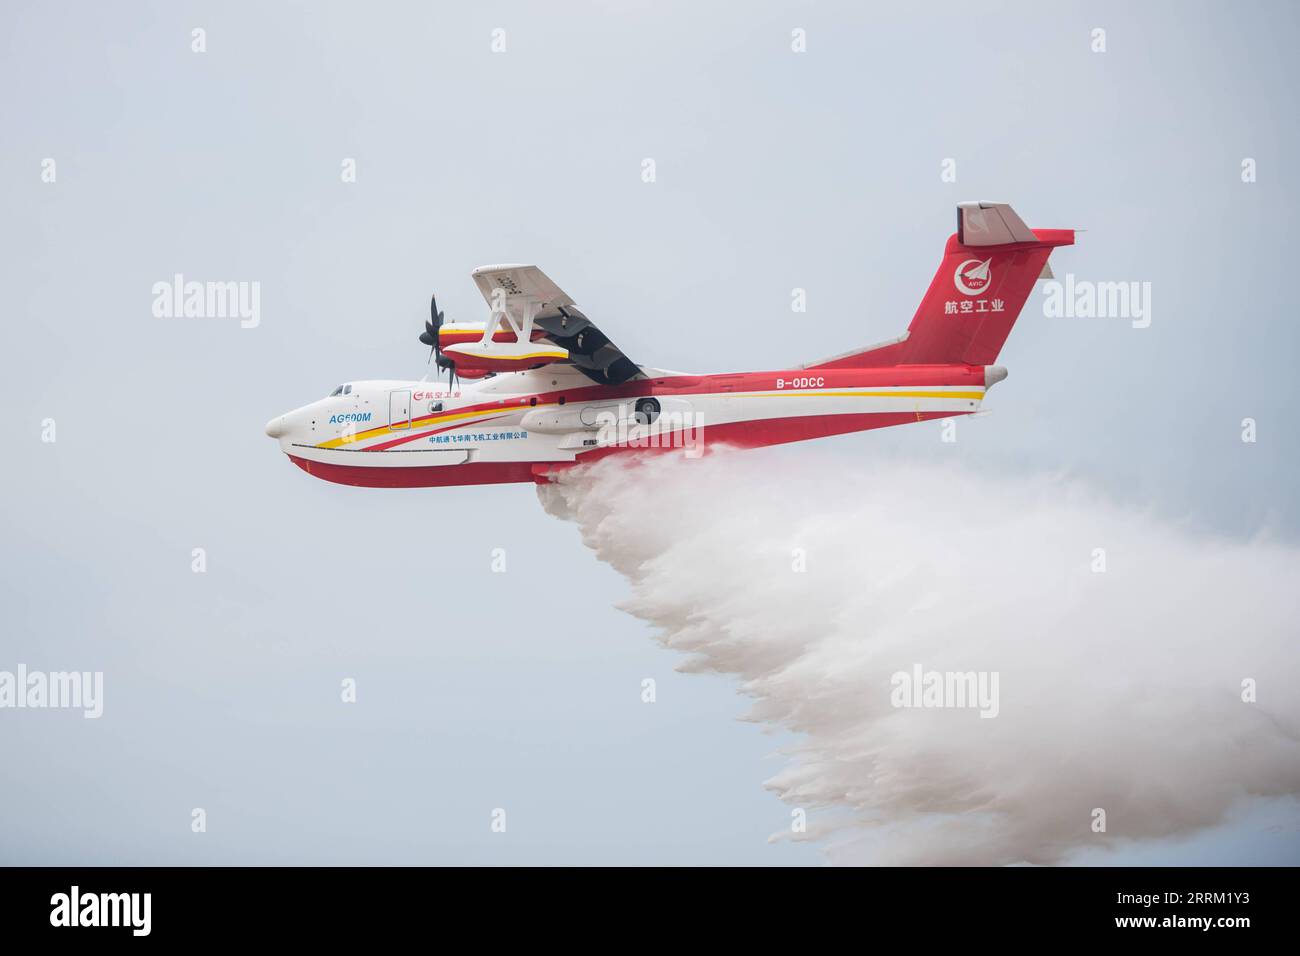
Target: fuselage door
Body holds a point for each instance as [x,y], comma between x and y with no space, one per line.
[399,409]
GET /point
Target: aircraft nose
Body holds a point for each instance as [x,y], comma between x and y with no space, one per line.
[276,427]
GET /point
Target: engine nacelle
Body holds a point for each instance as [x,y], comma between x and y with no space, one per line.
[466,333]
[504,356]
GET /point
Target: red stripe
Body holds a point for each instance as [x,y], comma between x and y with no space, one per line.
[431,476]
[735,434]
[435,431]
[955,375]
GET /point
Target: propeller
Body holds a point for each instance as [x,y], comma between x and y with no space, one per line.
[450,366]
[430,338]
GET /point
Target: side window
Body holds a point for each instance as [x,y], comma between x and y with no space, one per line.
[435,406]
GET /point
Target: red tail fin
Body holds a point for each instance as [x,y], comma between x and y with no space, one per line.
[988,270]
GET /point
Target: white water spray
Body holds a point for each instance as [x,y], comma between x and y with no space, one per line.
[1124,647]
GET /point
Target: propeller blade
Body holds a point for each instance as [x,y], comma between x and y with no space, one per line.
[431,338]
[435,317]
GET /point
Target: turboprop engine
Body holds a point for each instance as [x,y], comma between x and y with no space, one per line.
[462,343]
[504,356]
[464,333]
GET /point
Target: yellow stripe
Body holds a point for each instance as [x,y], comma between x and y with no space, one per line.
[512,358]
[806,393]
[815,394]
[389,430]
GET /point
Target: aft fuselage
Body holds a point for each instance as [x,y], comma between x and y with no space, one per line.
[525,426]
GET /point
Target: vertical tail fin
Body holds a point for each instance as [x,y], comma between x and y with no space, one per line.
[988,270]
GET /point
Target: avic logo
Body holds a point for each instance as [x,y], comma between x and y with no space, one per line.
[973,277]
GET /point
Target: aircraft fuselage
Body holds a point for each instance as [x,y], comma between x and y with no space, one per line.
[525,426]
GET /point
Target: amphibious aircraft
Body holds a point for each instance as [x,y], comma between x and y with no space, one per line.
[540,387]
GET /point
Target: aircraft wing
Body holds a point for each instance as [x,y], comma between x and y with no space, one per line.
[590,350]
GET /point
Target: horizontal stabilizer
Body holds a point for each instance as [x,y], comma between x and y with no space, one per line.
[990,224]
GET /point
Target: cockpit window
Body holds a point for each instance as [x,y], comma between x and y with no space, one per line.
[337,391]
[347,389]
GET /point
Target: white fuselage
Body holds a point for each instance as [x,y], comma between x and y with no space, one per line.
[513,426]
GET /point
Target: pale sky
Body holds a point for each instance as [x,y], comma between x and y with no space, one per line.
[775,170]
